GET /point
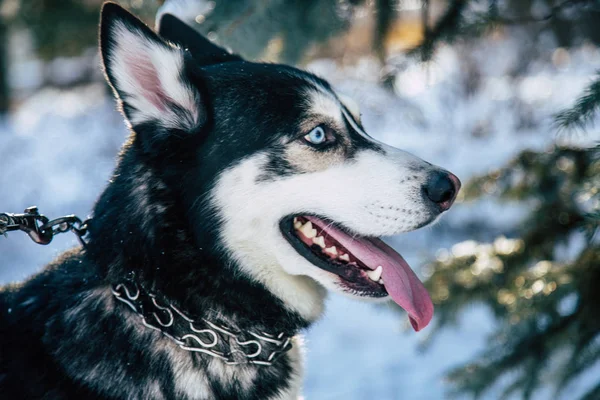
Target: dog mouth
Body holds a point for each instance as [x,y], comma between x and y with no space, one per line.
[366,266]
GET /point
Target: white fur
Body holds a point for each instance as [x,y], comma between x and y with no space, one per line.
[190,383]
[324,103]
[243,376]
[296,357]
[374,195]
[242,232]
[134,50]
[155,391]
[351,105]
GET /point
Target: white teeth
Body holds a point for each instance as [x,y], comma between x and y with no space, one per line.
[320,241]
[380,281]
[375,275]
[297,224]
[331,251]
[307,230]
[344,257]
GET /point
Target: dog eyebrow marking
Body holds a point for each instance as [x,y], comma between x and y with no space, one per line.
[355,126]
[323,104]
[350,105]
[336,106]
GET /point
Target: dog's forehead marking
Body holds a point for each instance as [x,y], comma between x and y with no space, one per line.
[357,128]
[350,104]
[324,102]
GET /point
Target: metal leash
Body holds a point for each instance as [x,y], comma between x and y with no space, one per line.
[39,228]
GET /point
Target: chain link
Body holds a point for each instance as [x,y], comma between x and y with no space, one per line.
[39,228]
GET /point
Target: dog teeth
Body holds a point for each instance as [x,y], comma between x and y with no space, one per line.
[332,251]
[375,275]
[344,257]
[320,240]
[380,281]
[307,230]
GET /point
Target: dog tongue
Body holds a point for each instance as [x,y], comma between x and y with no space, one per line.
[403,285]
[400,281]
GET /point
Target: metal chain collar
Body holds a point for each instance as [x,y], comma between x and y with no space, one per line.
[216,340]
[39,228]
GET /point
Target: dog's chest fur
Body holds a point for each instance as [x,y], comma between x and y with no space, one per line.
[92,345]
[171,371]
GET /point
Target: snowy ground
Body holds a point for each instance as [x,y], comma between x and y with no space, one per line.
[58,149]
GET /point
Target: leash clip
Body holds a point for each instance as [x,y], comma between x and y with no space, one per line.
[30,222]
[39,228]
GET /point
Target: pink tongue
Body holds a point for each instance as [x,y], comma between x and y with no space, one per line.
[400,281]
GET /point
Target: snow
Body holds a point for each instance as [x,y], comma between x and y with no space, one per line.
[58,150]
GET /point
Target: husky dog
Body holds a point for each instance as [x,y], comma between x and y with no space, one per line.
[244,192]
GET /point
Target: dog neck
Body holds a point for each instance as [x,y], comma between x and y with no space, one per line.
[140,230]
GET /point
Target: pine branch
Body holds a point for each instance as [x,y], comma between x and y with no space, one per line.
[523,283]
[584,110]
[585,354]
[447,28]
[529,349]
[454,23]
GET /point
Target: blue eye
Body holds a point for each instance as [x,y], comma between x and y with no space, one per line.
[316,136]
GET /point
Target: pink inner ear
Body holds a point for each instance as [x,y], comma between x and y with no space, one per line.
[146,76]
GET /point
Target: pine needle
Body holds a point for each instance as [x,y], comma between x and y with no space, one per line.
[583,112]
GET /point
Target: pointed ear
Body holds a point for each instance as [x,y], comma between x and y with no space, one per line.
[148,75]
[203,50]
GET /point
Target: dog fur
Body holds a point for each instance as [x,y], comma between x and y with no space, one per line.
[215,160]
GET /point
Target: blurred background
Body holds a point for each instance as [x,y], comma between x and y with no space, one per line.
[503,93]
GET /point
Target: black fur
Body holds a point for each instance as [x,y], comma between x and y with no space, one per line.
[203,51]
[63,336]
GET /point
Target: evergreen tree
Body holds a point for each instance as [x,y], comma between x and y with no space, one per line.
[58,28]
[63,28]
[286,27]
[547,306]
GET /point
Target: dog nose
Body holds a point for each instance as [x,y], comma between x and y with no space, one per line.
[441,188]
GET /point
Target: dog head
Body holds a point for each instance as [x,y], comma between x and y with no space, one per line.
[273,168]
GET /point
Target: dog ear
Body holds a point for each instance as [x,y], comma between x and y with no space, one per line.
[148,75]
[203,50]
